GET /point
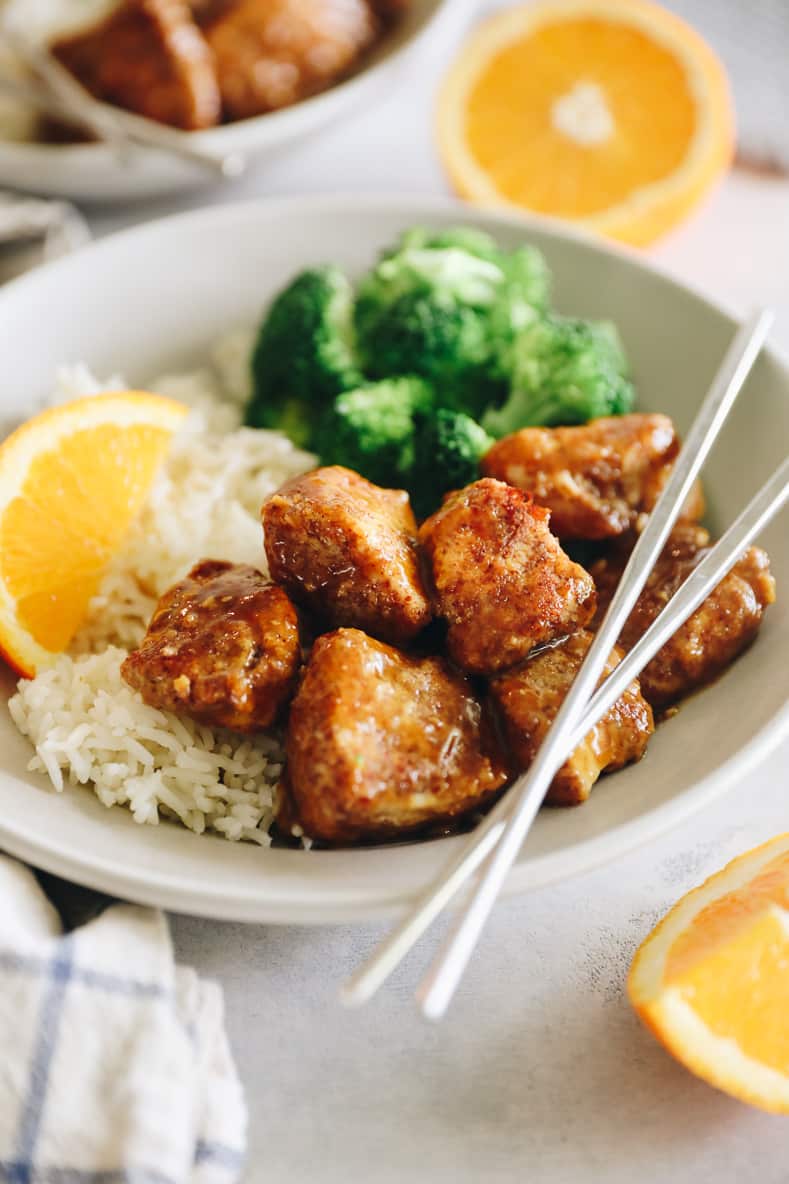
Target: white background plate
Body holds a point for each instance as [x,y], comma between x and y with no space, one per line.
[92,172]
[154,299]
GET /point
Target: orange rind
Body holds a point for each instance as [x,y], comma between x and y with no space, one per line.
[72,481]
[712,979]
[614,114]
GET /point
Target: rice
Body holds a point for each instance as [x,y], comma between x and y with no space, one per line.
[87,727]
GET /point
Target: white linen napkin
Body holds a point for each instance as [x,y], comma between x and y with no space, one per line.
[114,1063]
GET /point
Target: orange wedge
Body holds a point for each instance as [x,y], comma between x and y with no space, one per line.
[72,481]
[712,980]
[612,113]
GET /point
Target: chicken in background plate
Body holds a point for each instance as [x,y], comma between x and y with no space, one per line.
[273,53]
[194,65]
[148,56]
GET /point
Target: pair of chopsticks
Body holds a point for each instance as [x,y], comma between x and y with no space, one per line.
[497,841]
[54,90]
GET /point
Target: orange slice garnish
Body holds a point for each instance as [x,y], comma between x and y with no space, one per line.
[72,481]
[712,979]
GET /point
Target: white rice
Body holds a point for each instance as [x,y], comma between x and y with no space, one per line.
[86,725]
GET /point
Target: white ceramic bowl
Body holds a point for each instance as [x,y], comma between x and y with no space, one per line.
[91,172]
[155,298]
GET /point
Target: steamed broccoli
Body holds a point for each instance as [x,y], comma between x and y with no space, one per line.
[447,452]
[524,286]
[304,355]
[465,238]
[440,338]
[564,371]
[449,272]
[371,429]
[446,305]
[425,310]
[524,295]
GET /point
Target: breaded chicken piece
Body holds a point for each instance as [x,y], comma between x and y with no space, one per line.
[222,647]
[148,56]
[499,577]
[346,549]
[595,479]
[713,636]
[271,53]
[529,697]
[381,744]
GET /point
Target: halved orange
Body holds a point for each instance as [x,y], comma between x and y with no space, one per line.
[612,113]
[72,480]
[712,979]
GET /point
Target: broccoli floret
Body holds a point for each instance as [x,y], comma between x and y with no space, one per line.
[304,355]
[441,339]
[448,273]
[525,293]
[447,305]
[564,371]
[525,278]
[425,310]
[523,298]
[371,429]
[448,449]
[466,238]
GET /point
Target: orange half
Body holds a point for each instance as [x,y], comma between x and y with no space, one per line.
[712,979]
[614,114]
[72,481]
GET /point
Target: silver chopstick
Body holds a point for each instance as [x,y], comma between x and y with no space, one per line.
[529,790]
[739,358]
[715,565]
[60,93]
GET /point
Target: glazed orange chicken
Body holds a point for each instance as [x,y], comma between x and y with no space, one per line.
[148,56]
[499,578]
[529,697]
[223,647]
[596,479]
[384,741]
[271,53]
[718,631]
[194,63]
[380,743]
[346,549]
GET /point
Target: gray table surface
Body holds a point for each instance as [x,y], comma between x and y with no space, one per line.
[541,1071]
